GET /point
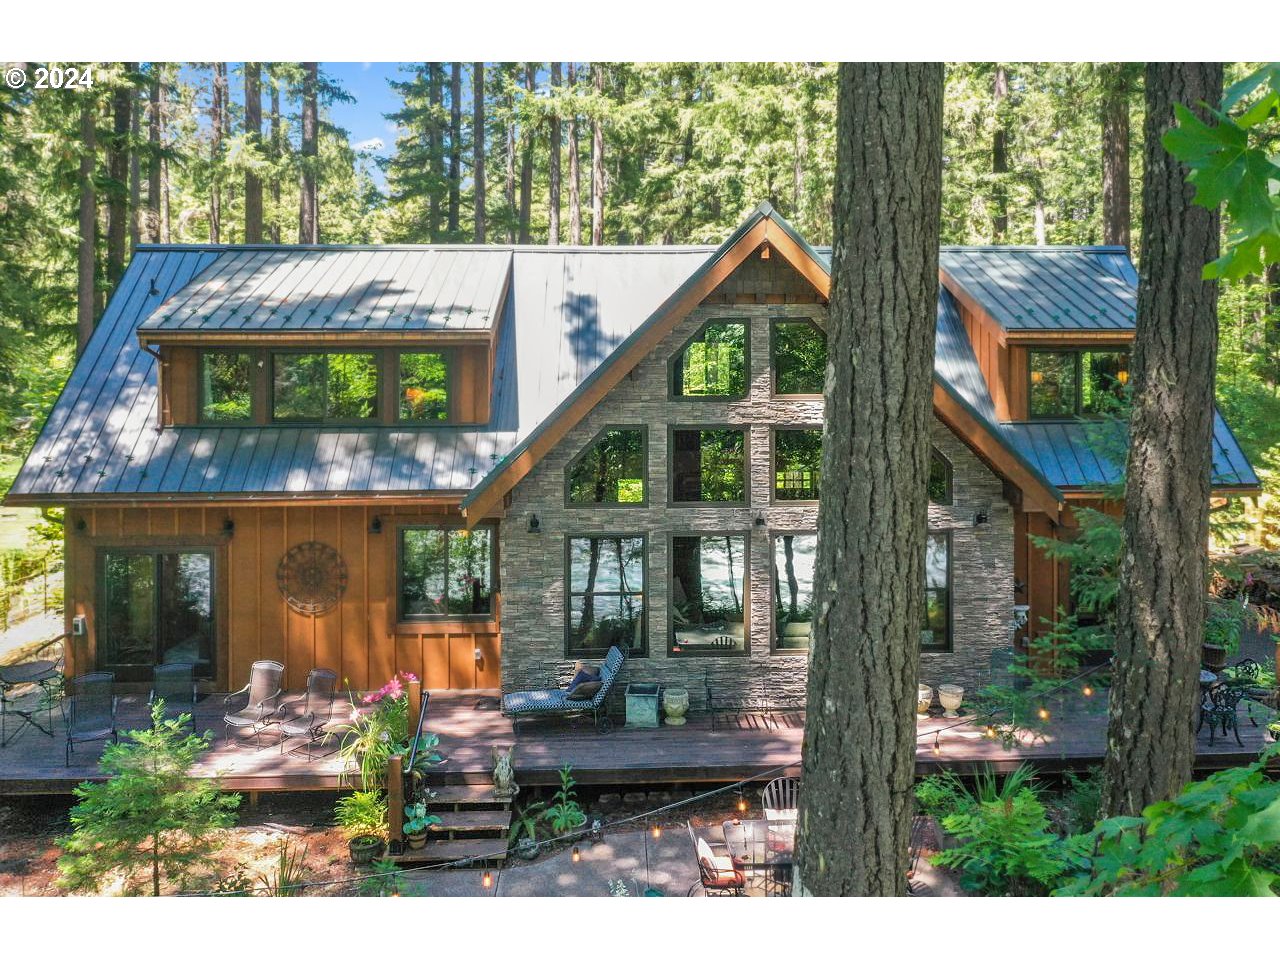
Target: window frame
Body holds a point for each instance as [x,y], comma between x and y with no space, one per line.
[743,429]
[592,652]
[1077,356]
[950,477]
[494,565]
[774,536]
[255,359]
[674,363]
[379,363]
[948,646]
[571,504]
[745,534]
[773,463]
[774,323]
[389,373]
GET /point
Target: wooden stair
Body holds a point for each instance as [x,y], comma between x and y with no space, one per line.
[473,826]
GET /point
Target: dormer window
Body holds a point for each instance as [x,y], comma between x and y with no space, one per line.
[324,387]
[226,387]
[424,388]
[1064,384]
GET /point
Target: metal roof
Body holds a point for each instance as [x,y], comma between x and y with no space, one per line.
[954,360]
[1048,288]
[280,289]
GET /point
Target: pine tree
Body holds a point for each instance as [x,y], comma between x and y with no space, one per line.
[216,111]
[575,174]
[86,292]
[553,160]
[253,133]
[308,209]
[118,153]
[478,145]
[597,158]
[455,147]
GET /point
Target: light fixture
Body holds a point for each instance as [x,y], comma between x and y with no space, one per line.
[229,527]
[982,515]
[760,519]
[1122,376]
[577,855]
[375,525]
[81,526]
[535,525]
[742,804]
[1043,713]
[764,252]
[937,747]
[1037,377]
[1087,691]
[486,880]
[657,831]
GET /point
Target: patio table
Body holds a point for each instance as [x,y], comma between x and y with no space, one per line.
[38,673]
[766,848]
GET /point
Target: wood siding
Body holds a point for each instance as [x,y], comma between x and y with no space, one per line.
[993,359]
[360,638]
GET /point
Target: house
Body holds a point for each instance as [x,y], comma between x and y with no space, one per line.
[480,464]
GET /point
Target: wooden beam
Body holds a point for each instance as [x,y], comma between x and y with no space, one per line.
[221,339]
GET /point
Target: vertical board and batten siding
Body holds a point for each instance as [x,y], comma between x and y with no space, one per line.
[359,638]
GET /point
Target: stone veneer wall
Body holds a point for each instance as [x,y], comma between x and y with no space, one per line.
[532,564]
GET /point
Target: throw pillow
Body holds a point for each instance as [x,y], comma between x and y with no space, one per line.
[585,690]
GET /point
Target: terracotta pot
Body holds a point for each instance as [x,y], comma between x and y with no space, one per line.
[365,849]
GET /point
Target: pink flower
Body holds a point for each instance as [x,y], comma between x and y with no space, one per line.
[408,677]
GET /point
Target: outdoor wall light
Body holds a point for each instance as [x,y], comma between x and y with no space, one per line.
[81,526]
[759,519]
[229,527]
[375,525]
[983,515]
[535,525]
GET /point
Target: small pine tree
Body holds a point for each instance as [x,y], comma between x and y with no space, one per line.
[149,813]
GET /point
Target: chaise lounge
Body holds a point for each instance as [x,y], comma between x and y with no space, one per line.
[555,702]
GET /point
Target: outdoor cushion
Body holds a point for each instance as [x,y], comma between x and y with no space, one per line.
[581,666]
[584,691]
[581,677]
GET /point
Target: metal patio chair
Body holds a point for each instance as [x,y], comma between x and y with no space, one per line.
[175,684]
[719,875]
[261,697]
[91,710]
[44,674]
[307,715]
[1218,709]
[781,799]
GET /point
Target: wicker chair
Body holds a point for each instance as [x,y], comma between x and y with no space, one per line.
[261,698]
[719,875]
[175,685]
[781,800]
[91,710]
[307,715]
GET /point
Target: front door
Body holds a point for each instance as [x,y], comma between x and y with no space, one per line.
[155,606]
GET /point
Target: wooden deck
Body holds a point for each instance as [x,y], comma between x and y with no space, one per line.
[470,726]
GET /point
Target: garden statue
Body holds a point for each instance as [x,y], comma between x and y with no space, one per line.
[504,777]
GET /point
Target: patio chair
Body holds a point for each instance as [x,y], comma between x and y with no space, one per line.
[1245,676]
[781,799]
[307,715]
[559,703]
[44,674]
[91,710]
[719,875]
[175,684]
[1218,708]
[261,698]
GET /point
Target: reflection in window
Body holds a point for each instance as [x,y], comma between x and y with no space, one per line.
[1075,383]
[1104,374]
[797,458]
[226,392]
[793,565]
[612,470]
[936,633]
[324,386]
[939,479]
[606,594]
[714,363]
[424,387]
[709,466]
[799,358]
[156,607]
[445,572]
[1053,384]
[708,594]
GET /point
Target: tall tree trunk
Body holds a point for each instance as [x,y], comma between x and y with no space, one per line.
[229,198]
[1160,608]
[253,130]
[527,130]
[597,159]
[511,160]
[155,165]
[277,154]
[553,162]
[308,207]
[455,147]
[860,732]
[477,145]
[215,151]
[434,153]
[1115,154]
[118,173]
[86,260]
[575,173]
[135,175]
[999,157]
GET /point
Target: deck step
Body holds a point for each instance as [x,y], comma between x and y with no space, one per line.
[485,850]
[494,822]
[458,795]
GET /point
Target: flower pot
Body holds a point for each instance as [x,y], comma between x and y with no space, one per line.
[1213,656]
[527,848]
[950,695]
[675,704]
[416,841]
[365,849]
[924,698]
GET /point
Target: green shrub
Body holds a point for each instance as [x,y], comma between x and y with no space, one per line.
[361,813]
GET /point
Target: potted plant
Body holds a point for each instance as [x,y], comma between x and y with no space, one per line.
[564,814]
[362,815]
[416,824]
[523,839]
[1222,630]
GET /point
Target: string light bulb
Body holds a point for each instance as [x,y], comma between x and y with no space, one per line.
[742,804]
[577,855]
[657,831]
[991,732]
[937,747]
[1043,713]
[486,880]
[1087,691]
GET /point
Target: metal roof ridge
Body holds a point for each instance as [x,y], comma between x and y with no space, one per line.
[423,247]
[1033,248]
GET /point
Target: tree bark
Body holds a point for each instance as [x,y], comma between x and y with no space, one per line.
[155,166]
[526,158]
[308,206]
[277,154]
[860,735]
[1115,155]
[477,145]
[86,261]
[118,174]
[553,164]
[511,159]
[253,128]
[215,151]
[575,173]
[135,175]
[1160,608]
[435,156]
[455,147]
[999,157]
[597,159]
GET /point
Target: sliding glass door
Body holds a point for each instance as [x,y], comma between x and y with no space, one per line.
[155,606]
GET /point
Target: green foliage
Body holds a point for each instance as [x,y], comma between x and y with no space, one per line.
[384,880]
[940,795]
[1218,837]
[564,814]
[288,874]
[417,819]
[524,822]
[362,813]
[1082,800]
[149,816]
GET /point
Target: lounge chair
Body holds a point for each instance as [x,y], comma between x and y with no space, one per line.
[91,710]
[261,698]
[175,684]
[558,703]
[307,715]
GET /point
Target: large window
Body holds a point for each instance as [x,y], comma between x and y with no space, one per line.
[226,387]
[709,594]
[446,572]
[611,470]
[939,479]
[936,631]
[793,563]
[424,388]
[714,363]
[709,466]
[1076,383]
[606,594]
[799,358]
[318,387]
[797,462]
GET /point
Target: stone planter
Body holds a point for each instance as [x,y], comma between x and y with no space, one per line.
[1213,657]
[642,704]
[675,704]
[924,699]
[950,695]
[365,849]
